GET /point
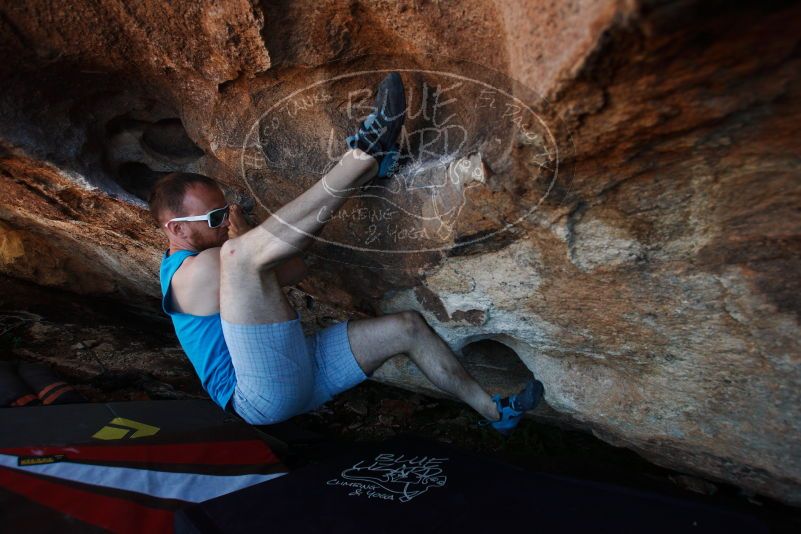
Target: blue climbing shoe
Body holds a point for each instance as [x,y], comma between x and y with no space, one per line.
[513,408]
[378,134]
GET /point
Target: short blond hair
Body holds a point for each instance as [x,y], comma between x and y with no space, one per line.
[168,193]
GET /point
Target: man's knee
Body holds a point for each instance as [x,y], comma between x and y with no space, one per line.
[232,252]
[412,323]
[240,254]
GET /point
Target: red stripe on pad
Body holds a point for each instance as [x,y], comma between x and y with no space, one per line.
[247,452]
[25,399]
[49,387]
[112,513]
[56,394]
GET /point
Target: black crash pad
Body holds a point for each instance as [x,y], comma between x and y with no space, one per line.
[408,485]
[78,423]
[122,466]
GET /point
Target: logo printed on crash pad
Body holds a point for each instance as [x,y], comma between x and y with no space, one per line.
[390,477]
[26,461]
[122,427]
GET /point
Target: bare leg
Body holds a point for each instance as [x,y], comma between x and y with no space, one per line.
[249,290]
[374,341]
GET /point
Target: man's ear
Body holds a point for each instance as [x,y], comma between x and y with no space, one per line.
[175,228]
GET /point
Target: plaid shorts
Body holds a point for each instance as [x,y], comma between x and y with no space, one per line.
[281,373]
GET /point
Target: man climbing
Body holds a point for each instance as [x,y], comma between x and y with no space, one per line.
[221,282]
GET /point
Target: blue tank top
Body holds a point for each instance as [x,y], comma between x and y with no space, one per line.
[201,337]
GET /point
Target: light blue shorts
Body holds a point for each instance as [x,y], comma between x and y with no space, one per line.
[281,373]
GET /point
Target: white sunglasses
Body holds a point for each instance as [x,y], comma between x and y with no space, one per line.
[215,217]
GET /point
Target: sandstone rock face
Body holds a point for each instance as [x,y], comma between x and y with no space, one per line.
[630,226]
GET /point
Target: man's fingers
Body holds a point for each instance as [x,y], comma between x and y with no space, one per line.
[238,220]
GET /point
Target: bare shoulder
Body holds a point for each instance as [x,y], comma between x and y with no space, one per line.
[205,264]
[196,284]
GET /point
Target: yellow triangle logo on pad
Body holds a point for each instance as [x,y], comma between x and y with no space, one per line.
[122,430]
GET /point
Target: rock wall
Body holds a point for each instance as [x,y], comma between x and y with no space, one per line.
[654,289]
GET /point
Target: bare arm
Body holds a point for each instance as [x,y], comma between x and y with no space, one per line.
[195,286]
